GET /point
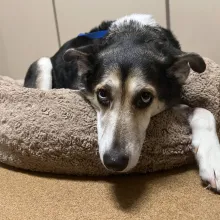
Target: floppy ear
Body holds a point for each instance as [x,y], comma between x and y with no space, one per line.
[82,56]
[181,67]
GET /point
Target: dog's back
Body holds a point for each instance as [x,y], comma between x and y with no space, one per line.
[48,73]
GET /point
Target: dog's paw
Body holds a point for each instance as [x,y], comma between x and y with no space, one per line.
[209,165]
[206,148]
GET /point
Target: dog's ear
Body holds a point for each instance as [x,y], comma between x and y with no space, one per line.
[181,67]
[83,57]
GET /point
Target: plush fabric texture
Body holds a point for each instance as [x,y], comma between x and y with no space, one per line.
[55,131]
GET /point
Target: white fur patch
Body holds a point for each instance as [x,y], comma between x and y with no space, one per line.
[142,19]
[44,70]
[106,133]
[206,146]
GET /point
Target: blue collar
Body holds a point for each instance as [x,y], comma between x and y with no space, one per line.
[94,35]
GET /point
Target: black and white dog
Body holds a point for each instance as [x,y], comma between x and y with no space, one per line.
[133,72]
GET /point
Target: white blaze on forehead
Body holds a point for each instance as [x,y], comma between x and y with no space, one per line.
[142,19]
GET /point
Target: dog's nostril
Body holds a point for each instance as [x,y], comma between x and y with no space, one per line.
[115,162]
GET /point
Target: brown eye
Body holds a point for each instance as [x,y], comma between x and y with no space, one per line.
[144,99]
[103,97]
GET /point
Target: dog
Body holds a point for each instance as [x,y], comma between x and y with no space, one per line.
[130,69]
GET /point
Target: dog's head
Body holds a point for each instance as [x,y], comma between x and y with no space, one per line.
[135,75]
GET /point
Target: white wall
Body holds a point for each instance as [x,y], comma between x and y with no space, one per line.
[28,31]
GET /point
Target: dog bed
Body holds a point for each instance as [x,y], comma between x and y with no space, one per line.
[55,131]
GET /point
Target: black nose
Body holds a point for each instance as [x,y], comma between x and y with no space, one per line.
[115,161]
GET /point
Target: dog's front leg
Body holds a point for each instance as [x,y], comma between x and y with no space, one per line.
[206,146]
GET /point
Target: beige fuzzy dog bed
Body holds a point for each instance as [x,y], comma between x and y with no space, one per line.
[55,131]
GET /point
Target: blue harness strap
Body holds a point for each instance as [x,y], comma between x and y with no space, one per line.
[94,35]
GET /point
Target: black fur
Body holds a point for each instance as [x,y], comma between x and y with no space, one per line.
[154,50]
[64,75]
[31,76]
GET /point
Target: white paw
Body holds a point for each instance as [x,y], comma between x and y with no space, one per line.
[206,147]
[209,163]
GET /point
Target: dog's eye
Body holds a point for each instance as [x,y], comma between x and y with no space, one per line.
[103,97]
[144,99]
